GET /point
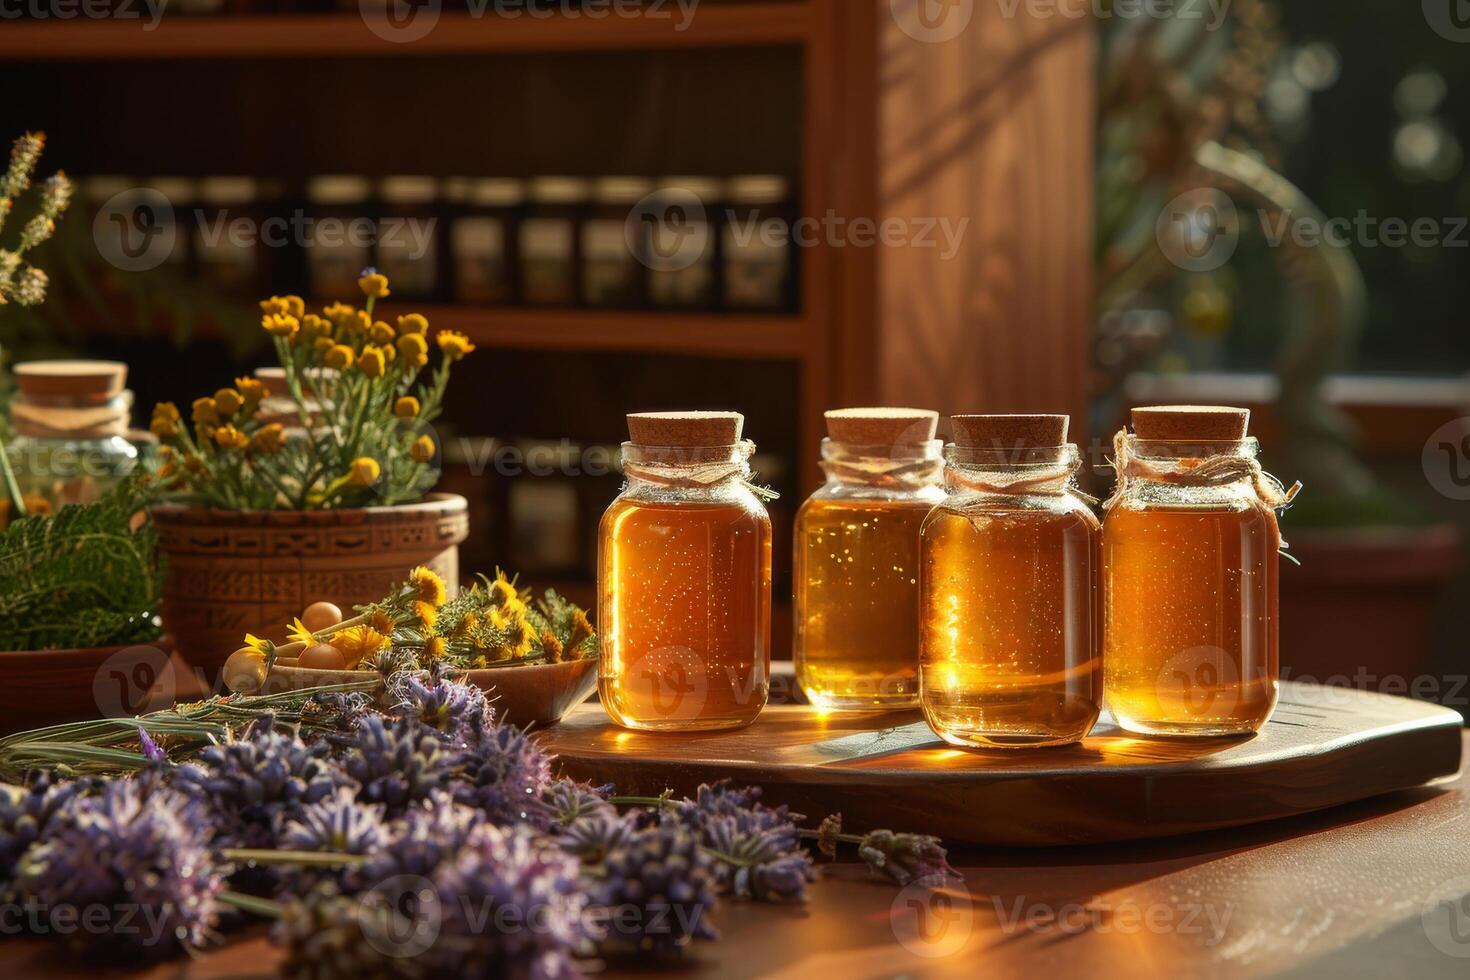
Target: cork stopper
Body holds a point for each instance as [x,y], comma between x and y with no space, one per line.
[882,426]
[685,430]
[72,382]
[1009,431]
[1183,423]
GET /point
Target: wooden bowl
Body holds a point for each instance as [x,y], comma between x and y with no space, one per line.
[51,687]
[538,694]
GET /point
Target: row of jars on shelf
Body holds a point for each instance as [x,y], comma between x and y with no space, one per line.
[971,580]
[678,243]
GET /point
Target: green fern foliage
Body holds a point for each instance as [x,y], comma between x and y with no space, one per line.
[84,577]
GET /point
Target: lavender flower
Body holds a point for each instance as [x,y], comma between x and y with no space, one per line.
[131,846]
[397,764]
[655,891]
[570,800]
[150,748]
[429,833]
[512,906]
[906,858]
[593,836]
[458,712]
[28,813]
[254,786]
[507,777]
[758,847]
[338,825]
[324,936]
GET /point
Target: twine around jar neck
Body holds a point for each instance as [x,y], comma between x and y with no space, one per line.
[58,418]
[692,469]
[1217,469]
[1014,472]
[884,467]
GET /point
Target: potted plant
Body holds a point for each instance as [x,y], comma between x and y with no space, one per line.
[314,487]
[1183,130]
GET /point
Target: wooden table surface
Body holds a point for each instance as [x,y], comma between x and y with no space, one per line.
[1345,893]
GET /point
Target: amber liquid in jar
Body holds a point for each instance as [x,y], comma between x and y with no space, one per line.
[1191,620]
[857,601]
[685,613]
[1011,624]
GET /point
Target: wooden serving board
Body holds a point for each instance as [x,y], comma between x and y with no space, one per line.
[1324,746]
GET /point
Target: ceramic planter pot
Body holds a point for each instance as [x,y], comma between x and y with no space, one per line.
[233,572]
[537,694]
[1365,600]
[52,687]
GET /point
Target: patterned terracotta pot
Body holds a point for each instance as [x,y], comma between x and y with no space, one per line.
[235,572]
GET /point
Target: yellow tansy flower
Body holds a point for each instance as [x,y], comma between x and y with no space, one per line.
[406,407]
[227,401]
[339,356]
[428,586]
[426,614]
[373,285]
[381,333]
[413,323]
[365,471]
[294,306]
[229,437]
[455,345]
[275,306]
[372,361]
[415,350]
[313,326]
[434,648]
[299,633]
[268,439]
[280,325]
[204,412]
[358,643]
[251,390]
[422,450]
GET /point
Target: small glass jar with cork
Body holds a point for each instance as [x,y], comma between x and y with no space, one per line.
[482,238]
[342,235]
[1010,614]
[857,559]
[612,266]
[1191,550]
[407,251]
[684,579]
[69,432]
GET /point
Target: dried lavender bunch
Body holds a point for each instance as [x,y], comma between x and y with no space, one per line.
[459,713]
[513,905]
[592,836]
[338,824]
[906,858]
[27,814]
[398,763]
[507,776]
[570,800]
[758,847]
[428,834]
[654,889]
[253,787]
[135,845]
[325,938]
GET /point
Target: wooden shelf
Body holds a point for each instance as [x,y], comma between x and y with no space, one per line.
[348,35]
[722,334]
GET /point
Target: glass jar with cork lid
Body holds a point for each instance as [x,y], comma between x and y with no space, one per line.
[1010,615]
[69,426]
[857,559]
[1190,547]
[684,579]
